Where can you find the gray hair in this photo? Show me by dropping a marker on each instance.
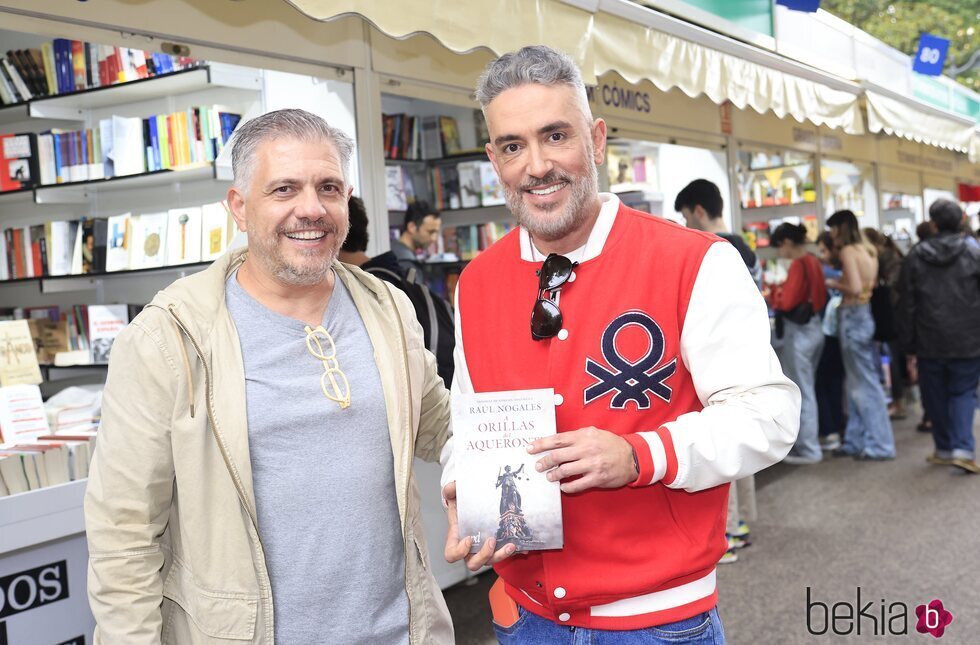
(298, 124)
(534, 64)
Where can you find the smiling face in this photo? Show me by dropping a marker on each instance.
(546, 149)
(294, 210)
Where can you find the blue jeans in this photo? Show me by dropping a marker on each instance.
(531, 629)
(800, 354)
(869, 431)
(949, 396)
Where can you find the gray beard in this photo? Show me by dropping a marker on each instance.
(305, 275)
(575, 212)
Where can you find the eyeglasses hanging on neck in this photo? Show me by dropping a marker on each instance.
(333, 381)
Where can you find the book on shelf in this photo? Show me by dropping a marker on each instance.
(104, 324)
(492, 192)
(396, 198)
(450, 136)
(184, 235)
(118, 242)
(63, 65)
(18, 358)
(499, 492)
(445, 187)
(217, 228)
(470, 184)
(149, 248)
(466, 242)
(18, 161)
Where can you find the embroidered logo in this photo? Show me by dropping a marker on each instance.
(629, 381)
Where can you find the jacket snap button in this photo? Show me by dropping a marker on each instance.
(559, 592)
(563, 334)
(564, 617)
(559, 399)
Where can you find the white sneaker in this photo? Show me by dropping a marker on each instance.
(830, 442)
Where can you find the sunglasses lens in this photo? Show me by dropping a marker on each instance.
(554, 272)
(545, 319)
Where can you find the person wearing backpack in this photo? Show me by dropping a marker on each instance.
(434, 313)
(799, 303)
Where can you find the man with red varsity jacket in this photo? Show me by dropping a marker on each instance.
(656, 343)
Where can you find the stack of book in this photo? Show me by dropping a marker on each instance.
(64, 66)
(121, 242)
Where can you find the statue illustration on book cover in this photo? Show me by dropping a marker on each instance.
(513, 528)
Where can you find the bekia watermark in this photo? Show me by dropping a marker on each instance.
(880, 617)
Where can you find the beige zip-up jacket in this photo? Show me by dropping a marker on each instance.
(175, 556)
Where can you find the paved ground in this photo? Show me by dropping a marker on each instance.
(902, 531)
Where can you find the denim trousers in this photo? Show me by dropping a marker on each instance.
(800, 355)
(869, 431)
(531, 629)
(949, 396)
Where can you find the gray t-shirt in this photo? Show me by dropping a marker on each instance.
(323, 478)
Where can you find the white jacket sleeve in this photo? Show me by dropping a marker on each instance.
(751, 412)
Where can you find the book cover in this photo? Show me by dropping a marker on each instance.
(395, 198)
(492, 193)
(215, 227)
(450, 136)
(104, 324)
(470, 186)
(499, 493)
(18, 161)
(18, 358)
(22, 413)
(119, 243)
(184, 235)
(150, 241)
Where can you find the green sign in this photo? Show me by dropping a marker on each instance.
(754, 15)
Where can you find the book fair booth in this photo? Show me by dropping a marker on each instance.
(784, 142)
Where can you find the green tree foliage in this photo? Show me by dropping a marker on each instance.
(899, 23)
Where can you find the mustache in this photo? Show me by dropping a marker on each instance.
(550, 178)
(309, 225)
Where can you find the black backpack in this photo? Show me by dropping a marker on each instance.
(434, 314)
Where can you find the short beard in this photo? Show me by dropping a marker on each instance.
(584, 191)
(269, 253)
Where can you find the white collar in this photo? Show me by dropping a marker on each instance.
(597, 237)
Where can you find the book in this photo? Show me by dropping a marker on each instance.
(119, 243)
(104, 324)
(470, 186)
(215, 229)
(395, 198)
(450, 136)
(22, 416)
(94, 234)
(184, 235)
(498, 491)
(492, 192)
(18, 358)
(149, 241)
(18, 161)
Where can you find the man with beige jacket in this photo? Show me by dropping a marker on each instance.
(253, 480)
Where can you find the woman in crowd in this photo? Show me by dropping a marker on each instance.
(830, 370)
(800, 302)
(889, 268)
(868, 435)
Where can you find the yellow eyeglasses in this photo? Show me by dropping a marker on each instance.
(333, 382)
